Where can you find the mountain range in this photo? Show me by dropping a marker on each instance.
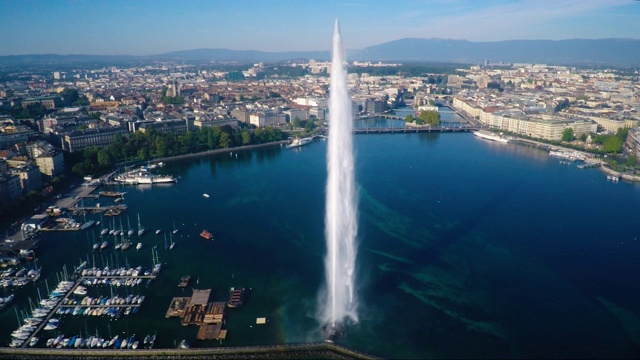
(624, 52)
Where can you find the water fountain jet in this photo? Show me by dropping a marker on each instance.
(339, 304)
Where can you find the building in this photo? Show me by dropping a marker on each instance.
(30, 177)
(51, 164)
(78, 140)
(175, 126)
(241, 114)
(267, 118)
(14, 134)
(49, 102)
(632, 144)
(300, 114)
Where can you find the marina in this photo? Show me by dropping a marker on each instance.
(61, 301)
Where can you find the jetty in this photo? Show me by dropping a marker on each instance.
(198, 310)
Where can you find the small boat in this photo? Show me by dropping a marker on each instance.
(158, 231)
(125, 245)
(96, 246)
(57, 340)
(33, 341)
(111, 193)
(175, 229)
(183, 344)
(113, 341)
(139, 246)
(205, 195)
(104, 245)
(207, 235)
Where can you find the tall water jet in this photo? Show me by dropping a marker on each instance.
(339, 303)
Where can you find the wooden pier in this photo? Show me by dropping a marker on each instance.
(197, 310)
(178, 307)
(211, 332)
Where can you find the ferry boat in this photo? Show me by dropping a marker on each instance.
(490, 136)
(207, 235)
(297, 142)
(142, 176)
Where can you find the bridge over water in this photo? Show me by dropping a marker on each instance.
(414, 129)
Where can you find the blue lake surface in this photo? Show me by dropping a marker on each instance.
(467, 248)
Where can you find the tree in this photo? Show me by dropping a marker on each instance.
(583, 137)
(225, 140)
(632, 160)
(104, 158)
(296, 122)
(430, 117)
(567, 134)
(408, 118)
(612, 145)
(246, 137)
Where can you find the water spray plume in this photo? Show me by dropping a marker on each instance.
(340, 303)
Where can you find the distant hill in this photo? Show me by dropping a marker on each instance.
(241, 55)
(577, 51)
(563, 52)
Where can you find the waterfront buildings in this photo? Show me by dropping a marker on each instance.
(81, 139)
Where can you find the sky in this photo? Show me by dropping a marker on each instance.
(149, 27)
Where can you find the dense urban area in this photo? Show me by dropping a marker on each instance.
(57, 125)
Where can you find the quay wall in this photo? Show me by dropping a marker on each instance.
(293, 351)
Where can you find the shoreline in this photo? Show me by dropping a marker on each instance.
(220, 151)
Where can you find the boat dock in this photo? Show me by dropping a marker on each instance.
(178, 307)
(198, 310)
(113, 210)
(68, 301)
(211, 332)
(588, 165)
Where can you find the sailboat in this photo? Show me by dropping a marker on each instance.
(104, 229)
(140, 228)
(125, 244)
(175, 229)
(131, 231)
(172, 242)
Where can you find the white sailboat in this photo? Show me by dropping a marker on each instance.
(131, 231)
(172, 242)
(140, 228)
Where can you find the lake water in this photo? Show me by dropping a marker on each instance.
(468, 248)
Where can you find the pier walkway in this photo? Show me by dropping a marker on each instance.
(414, 129)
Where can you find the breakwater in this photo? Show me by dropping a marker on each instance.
(293, 351)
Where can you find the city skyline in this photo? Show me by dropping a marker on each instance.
(155, 27)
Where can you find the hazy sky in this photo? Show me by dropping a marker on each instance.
(146, 27)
